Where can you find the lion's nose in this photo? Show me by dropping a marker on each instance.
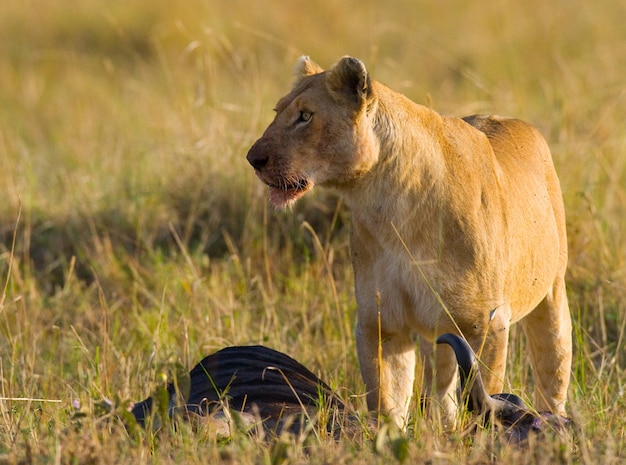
(257, 158)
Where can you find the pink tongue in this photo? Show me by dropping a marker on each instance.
(281, 198)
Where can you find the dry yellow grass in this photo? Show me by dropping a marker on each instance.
(142, 237)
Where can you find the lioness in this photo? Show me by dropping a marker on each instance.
(457, 226)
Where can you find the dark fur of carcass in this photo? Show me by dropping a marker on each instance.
(251, 379)
(280, 391)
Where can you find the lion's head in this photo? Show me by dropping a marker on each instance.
(321, 133)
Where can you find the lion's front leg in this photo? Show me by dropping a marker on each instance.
(439, 381)
(388, 369)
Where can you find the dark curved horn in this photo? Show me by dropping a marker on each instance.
(510, 411)
(464, 355)
(471, 381)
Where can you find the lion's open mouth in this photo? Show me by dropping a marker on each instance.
(283, 195)
(296, 186)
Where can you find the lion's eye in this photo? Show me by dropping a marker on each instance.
(305, 117)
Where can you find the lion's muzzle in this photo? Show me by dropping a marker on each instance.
(257, 156)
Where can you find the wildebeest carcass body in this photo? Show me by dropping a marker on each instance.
(270, 389)
(260, 384)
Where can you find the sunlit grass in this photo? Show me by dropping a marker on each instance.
(145, 240)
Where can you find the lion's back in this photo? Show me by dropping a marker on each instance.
(512, 140)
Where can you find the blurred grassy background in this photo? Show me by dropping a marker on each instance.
(134, 233)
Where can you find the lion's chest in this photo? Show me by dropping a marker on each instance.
(396, 283)
(420, 285)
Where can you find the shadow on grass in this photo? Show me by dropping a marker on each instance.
(216, 226)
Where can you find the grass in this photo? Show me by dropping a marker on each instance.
(134, 237)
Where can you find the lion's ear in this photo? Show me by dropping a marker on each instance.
(306, 67)
(349, 79)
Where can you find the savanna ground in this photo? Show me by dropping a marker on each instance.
(136, 239)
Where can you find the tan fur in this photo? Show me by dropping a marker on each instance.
(457, 224)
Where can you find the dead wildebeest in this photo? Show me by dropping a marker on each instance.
(269, 388)
(508, 411)
(260, 385)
